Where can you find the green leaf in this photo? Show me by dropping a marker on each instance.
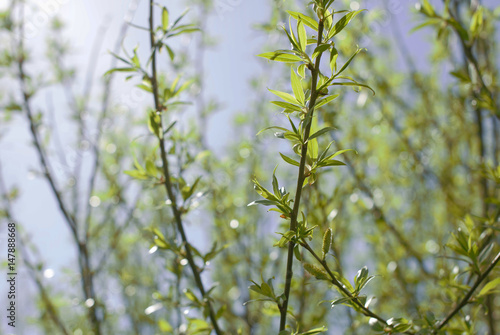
(326, 100)
(183, 87)
(185, 31)
(320, 49)
(490, 287)
(296, 252)
(427, 8)
(464, 35)
(180, 17)
(136, 174)
(164, 325)
(348, 62)
(276, 187)
(321, 132)
(316, 272)
(272, 127)
(342, 301)
(327, 242)
(191, 296)
(135, 59)
(334, 54)
(312, 148)
(301, 70)
(255, 300)
(281, 57)
(342, 23)
(165, 132)
(287, 105)
(164, 18)
(353, 84)
(297, 88)
(429, 22)
(171, 53)
(289, 160)
(314, 331)
(301, 31)
(153, 123)
(340, 152)
(461, 75)
(331, 162)
(476, 23)
(120, 69)
(308, 21)
(151, 168)
(145, 88)
(285, 96)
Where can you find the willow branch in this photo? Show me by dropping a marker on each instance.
(168, 182)
(466, 298)
(341, 287)
(300, 180)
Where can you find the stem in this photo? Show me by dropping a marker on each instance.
(341, 287)
(44, 295)
(49, 306)
(471, 59)
(300, 179)
(168, 183)
(83, 253)
(466, 298)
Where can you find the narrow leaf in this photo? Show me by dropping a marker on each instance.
(297, 88)
(289, 160)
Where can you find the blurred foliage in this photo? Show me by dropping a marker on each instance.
(398, 235)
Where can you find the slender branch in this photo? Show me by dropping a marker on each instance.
(49, 306)
(301, 177)
(45, 296)
(470, 59)
(466, 298)
(340, 286)
(168, 181)
(83, 252)
(469, 54)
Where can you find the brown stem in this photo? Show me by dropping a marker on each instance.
(83, 253)
(340, 286)
(168, 182)
(300, 179)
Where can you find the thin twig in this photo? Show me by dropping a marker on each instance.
(168, 181)
(49, 306)
(340, 286)
(466, 298)
(83, 252)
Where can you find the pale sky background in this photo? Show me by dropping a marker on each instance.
(238, 43)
